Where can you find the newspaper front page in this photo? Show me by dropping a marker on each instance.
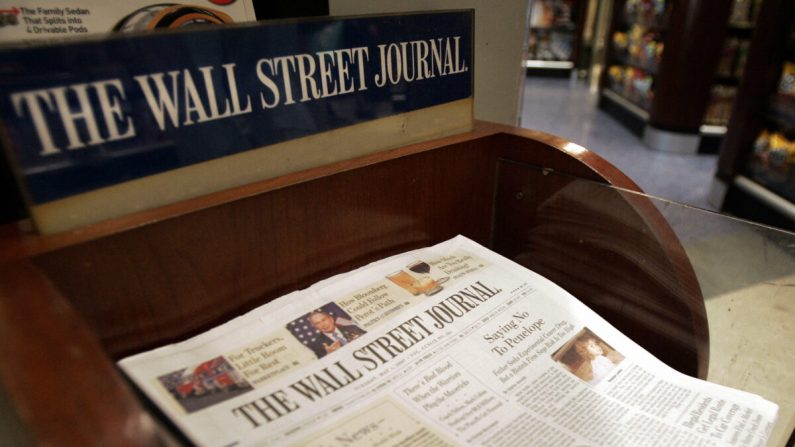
(447, 345)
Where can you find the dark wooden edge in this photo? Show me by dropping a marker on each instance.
(65, 388)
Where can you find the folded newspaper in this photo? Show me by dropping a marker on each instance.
(447, 345)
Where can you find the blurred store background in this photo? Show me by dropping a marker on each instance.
(695, 100)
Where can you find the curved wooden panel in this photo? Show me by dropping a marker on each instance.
(66, 390)
(599, 244)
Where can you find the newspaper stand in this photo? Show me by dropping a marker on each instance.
(72, 303)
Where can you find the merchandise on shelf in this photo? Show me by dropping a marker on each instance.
(550, 46)
(782, 107)
(786, 84)
(728, 57)
(733, 57)
(540, 16)
(546, 13)
(632, 83)
(773, 160)
(742, 57)
(637, 50)
(647, 13)
(620, 41)
(744, 12)
(720, 105)
(551, 36)
(644, 49)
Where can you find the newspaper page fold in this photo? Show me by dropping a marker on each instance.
(447, 345)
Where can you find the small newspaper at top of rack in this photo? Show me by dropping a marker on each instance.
(447, 345)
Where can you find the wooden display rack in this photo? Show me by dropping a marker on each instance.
(73, 303)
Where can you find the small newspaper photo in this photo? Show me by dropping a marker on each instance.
(447, 345)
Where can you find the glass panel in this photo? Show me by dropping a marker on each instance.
(747, 276)
(745, 271)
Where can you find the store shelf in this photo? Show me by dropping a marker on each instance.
(712, 130)
(766, 196)
(554, 37)
(669, 70)
(707, 130)
(756, 167)
(554, 65)
(628, 105)
(632, 49)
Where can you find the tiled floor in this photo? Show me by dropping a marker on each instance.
(567, 109)
(746, 273)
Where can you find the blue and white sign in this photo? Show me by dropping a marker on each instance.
(92, 114)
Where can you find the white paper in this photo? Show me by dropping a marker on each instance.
(448, 345)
